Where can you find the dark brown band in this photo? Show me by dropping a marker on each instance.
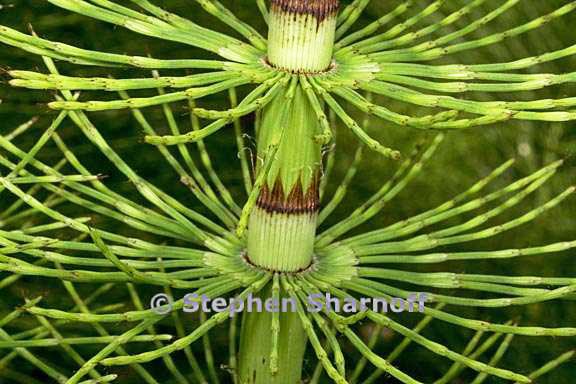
(319, 8)
(297, 201)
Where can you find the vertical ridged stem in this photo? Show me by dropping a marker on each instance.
(256, 346)
(282, 225)
(280, 237)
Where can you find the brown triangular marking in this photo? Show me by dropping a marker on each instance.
(297, 201)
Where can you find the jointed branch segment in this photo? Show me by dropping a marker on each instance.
(369, 67)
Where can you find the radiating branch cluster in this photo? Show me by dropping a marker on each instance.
(179, 248)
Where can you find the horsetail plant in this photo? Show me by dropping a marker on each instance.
(312, 71)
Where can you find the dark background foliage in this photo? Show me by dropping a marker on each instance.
(463, 158)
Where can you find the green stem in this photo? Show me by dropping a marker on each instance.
(256, 346)
(282, 225)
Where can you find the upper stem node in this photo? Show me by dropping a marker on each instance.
(301, 35)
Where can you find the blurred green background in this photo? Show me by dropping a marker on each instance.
(463, 158)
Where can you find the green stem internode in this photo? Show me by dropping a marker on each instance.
(282, 226)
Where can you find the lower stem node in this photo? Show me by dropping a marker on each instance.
(281, 242)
